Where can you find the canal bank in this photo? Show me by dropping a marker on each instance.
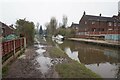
(104, 61)
(112, 44)
(66, 66)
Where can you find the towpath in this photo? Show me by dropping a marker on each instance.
(34, 63)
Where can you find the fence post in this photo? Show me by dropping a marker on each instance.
(1, 58)
(14, 47)
(21, 44)
(24, 42)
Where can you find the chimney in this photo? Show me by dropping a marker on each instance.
(119, 14)
(84, 13)
(100, 14)
(72, 22)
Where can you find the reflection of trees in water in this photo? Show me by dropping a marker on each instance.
(69, 44)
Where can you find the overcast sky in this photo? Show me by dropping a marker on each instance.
(42, 10)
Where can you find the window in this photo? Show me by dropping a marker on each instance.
(85, 22)
(93, 22)
(118, 24)
(102, 29)
(76, 28)
(110, 29)
(115, 24)
(93, 29)
(110, 24)
(3, 30)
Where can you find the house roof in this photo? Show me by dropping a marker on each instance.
(80, 25)
(4, 25)
(74, 25)
(11, 27)
(99, 18)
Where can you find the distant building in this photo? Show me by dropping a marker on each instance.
(6, 30)
(99, 27)
(79, 28)
(75, 26)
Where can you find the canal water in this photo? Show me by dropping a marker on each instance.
(101, 60)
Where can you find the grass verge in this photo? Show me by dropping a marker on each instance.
(73, 69)
(4, 71)
(57, 53)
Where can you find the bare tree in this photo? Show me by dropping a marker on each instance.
(37, 25)
(51, 26)
(64, 20)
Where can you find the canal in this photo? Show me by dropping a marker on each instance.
(101, 60)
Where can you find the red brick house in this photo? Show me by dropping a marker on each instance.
(91, 26)
(75, 26)
(80, 29)
(6, 30)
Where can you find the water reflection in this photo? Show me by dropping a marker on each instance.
(118, 72)
(101, 60)
(106, 70)
(72, 54)
(111, 53)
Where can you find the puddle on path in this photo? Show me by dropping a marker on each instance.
(44, 62)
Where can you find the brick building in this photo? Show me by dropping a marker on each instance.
(99, 27)
(79, 29)
(6, 30)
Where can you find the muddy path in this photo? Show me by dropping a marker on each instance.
(34, 63)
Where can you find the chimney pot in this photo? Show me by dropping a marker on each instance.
(84, 13)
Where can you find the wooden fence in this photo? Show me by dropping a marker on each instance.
(10, 48)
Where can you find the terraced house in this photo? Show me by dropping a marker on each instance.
(99, 27)
(6, 30)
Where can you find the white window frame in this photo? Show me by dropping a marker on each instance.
(115, 24)
(109, 23)
(85, 22)
(93, 22)
(118, 24)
